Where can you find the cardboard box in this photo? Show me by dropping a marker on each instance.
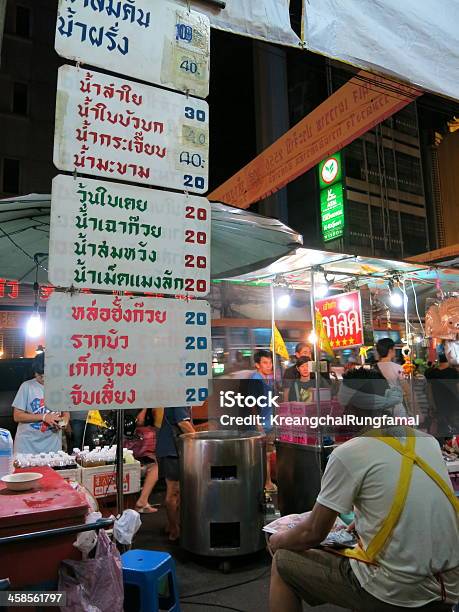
(101, 481)
(73, 474)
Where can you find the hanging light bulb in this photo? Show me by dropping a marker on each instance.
(34, 327)
(283, 301)
(320, 291)
(312, 338)
(345, 304)
(396, 299)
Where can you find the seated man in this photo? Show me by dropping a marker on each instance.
(412, 563)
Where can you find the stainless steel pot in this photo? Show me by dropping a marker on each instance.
(222, 475)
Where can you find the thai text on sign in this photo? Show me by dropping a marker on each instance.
(105, 484)
(364, 101)
(105, 352)
(118, 237)
(111, 127)
(158, 42)
(332, 211)
(342, 319)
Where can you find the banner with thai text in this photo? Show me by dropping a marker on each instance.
(415, 41)
(342, 319)
(111, 236)
(112, 127)
(352, 110)
(106, 352)
(158, 42)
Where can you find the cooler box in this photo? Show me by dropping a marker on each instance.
(101, 481)
(52, 504)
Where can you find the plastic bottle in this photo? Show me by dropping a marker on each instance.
(128, 456)
(6, 452)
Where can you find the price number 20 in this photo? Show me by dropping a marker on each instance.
(199, 368)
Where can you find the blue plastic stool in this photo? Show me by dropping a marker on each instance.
(146, 569)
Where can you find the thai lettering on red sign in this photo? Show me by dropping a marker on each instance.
(342, 319)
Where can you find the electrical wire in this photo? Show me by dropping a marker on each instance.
(229, 586)
(6, 235)
(416, 306)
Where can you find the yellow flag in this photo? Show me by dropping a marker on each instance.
(94, 418)
(323, 340)
(279, 343)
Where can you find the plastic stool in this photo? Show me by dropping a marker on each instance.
(146, 569)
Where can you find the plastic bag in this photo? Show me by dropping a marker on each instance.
(86, 540)
(94, 585)
(143, 446)
(127, 526)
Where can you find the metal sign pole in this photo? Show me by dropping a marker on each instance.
(316, 361)
(273, 335)
(119, 460)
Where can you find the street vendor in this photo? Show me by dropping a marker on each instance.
(301, 388)
(260, 385)
(302, 349)
(39, 430)
(406, 519)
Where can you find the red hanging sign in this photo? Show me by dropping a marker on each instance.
(342, 319)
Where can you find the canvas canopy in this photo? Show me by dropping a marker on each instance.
(414, 41)
(241, 241)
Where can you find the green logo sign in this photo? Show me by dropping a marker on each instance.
(332, 212)
(330, 170)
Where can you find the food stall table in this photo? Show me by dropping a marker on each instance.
(51, 504)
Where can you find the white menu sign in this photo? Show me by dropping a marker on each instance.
(111, 236)
(158, 41)
(105, 352)
(112, 127)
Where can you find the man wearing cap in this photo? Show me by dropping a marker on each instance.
(406, 519)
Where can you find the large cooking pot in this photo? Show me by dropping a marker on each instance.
(222, 476)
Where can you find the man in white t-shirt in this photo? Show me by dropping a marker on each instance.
(392, 372)
(419, 565)
(39, 429)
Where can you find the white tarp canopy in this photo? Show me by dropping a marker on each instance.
(422, 283)
(295, 270)
(415, 41)
(240, 241)
(267, 20)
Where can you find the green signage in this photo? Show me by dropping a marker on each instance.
(330, 171)
(332, 212)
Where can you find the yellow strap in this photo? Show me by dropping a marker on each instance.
(409, 458)
(425, 467)
(401, 493)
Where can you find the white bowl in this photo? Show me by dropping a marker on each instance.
(21, 481)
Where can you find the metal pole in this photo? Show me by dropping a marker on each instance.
(273, 336)
(317, 363)
(407, 338)
(119, 460)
